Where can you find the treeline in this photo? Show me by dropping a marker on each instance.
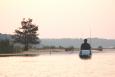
(70, 48)
(7, 46)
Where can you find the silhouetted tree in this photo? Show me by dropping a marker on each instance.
(27, 33)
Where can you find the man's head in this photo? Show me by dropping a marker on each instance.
(85, 40)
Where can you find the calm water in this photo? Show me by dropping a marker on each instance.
(60, 65)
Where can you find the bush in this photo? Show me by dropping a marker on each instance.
(6, 46)
(18, 49)
(100, 48)
(71, 48)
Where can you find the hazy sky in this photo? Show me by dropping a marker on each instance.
(61, 18)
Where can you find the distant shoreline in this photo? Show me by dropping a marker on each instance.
(32, 53)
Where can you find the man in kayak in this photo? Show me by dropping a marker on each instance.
(85, 51)
(85, 45)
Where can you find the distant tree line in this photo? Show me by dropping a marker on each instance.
(70, 48)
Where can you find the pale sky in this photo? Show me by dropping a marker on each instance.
(61, 18)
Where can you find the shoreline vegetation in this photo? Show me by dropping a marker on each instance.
(37, 52)
(9, 47)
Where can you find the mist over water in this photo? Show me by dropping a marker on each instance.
(59, 65)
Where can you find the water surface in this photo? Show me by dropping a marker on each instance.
(59, 65)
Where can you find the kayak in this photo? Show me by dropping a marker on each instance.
(85, 54)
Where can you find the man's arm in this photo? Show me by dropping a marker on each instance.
(81, 47)
(89, 46)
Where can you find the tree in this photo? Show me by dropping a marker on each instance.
(27, 34)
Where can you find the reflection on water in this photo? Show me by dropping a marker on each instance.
(68, 65)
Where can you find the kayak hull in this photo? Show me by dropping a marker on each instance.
(85, 54)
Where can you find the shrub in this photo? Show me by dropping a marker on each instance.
(6, 47)
(71, 48)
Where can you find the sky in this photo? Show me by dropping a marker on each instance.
(61, 18)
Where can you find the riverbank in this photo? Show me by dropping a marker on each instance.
(33, 52)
